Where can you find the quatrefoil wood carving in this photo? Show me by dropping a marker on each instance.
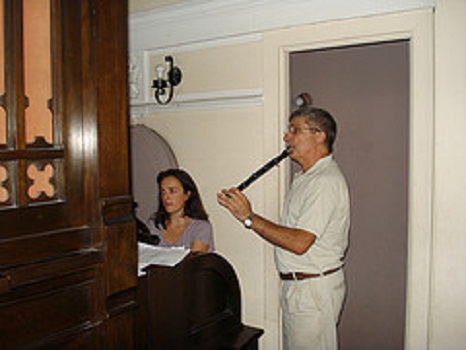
(4, 194)
(41, 178)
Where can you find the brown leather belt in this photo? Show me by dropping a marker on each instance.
(302, 275)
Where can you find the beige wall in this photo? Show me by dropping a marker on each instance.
(222, 68)
(221, 146)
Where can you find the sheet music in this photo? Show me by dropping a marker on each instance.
(150, 254)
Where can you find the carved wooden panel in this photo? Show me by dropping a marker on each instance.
(68, 260)
(31, 117)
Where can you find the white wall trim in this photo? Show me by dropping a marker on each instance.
(201, 20)
(206, 44)
(203, 24)
(241, 98)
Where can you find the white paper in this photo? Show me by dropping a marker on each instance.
(150, 254)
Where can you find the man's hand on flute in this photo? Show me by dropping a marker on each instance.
(236, 202)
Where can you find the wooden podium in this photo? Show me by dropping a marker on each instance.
(193, 305)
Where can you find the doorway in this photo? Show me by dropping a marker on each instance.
(366, 88)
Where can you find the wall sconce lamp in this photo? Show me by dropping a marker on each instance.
(160, 83)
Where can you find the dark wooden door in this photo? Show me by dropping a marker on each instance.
(68, 263)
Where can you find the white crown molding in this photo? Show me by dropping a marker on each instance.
(241, 98)
(201, 24)
(202, 20)
(203, 45)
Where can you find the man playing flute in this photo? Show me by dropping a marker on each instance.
(312, 237)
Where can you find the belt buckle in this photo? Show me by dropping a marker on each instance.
(293, 275)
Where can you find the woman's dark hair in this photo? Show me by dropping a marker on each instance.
(193, 206)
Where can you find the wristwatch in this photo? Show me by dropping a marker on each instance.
(248, 221)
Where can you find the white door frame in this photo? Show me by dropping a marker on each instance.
(417, 27)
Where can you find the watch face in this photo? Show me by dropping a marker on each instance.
(248, 223)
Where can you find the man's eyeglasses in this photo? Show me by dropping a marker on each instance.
(297, 129)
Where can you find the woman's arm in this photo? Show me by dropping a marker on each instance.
(199, 246)
(201, 236)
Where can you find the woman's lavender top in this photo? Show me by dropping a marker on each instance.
(197, 230)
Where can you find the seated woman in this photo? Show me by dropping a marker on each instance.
(181, 220)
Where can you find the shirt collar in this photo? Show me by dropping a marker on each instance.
(320, 164)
